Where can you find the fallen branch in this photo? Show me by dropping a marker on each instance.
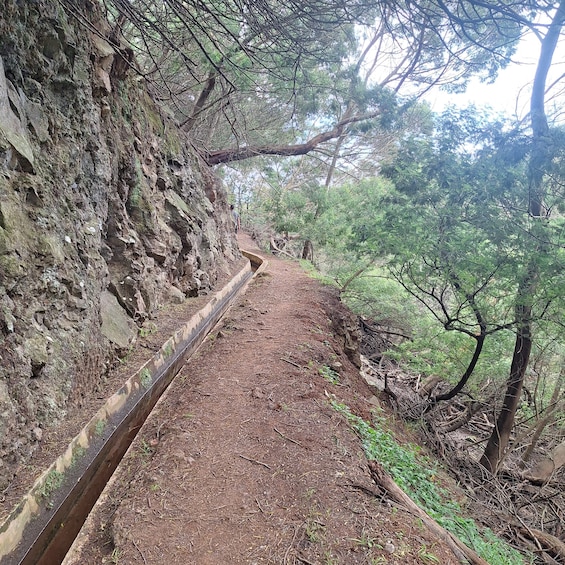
(461, 551)
(276, 250)
(291, 362)
(140, 552)
(287, 438)
(550, 544)
(255, 461)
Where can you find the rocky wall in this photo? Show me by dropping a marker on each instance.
(105, 214)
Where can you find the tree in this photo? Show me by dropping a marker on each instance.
(240, 76)
(542, 155)
(459, 231)
(450, 229)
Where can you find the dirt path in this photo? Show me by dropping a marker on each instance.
(245, 462)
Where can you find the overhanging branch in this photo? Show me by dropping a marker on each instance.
(242, 153)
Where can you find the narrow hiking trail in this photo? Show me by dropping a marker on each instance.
(244, 461)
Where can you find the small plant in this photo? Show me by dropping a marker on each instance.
(78, 453)
(145, 449)
(365, 540)
(52, 482)
(318, 330)
(145, 377)
(329, 374)
(426, 556)
(99, 427)
(123, 360)
(314, 530)
(330, 559)
(168, 350)
(116, 556)
(310, 492)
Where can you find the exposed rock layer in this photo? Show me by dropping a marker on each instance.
(105, 215)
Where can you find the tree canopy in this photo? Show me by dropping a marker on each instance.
(254, 78)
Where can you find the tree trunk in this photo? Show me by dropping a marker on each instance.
(480, 340)
(500, 436)
(308, 251)
(209, 85)
(539, 160)
(356, 274)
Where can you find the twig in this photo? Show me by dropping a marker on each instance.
(255, 461)
(287, 438)
(291, 362)
(291, 544)
(140, 552)
(364, 489)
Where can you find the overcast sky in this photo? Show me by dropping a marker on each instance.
(508, 94)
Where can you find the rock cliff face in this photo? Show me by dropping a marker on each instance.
(105, 214)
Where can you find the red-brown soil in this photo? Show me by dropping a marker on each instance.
(244, 461)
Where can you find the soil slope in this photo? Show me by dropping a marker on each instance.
(245, 461)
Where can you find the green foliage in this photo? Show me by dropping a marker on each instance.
(415, 475)
(351, 218)
(99, 427)
(375, 295)
(147, 329)
(460, 241)
(329, 374)
(78, 453)
(168, 349)
(51, 483)
(433, 351)
(315, 273)
(145, 377)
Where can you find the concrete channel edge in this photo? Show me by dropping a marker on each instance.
(41, 528)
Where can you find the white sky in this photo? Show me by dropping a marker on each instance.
(510, 92)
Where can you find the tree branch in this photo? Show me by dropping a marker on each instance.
(242, 153)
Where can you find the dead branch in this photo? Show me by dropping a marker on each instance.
(287, 438)
(276, 250)
(459, 549)
(463, 418)
(255, 461)
(552, 545)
